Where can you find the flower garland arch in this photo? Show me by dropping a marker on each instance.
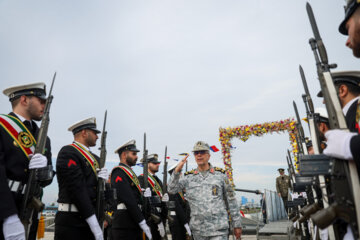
(246, 131)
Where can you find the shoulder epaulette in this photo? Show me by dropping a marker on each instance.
(189, 172)
(219, 169)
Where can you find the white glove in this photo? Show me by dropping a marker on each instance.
(103, 173)
(338, 144)
(146, 229)
(147, 192)
(165, 198)
(161, 229)
(37, 161)
(95, 227)
(13, 228)
(187, 229)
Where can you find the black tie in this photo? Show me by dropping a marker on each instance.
(28, 125)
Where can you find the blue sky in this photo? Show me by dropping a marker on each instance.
(177, 70)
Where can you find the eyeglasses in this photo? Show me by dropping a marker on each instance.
(200, 152)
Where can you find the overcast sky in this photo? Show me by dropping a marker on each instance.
(177, 70)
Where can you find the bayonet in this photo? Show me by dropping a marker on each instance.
(307, 93)
(165, 172)
(319, 42)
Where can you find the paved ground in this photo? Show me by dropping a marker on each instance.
(50, 236)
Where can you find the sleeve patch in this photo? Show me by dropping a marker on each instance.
(71, 162)
(118, 179)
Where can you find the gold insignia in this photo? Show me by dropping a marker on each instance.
(136, 180)
(214, 190)
(15, 144)
(96, 165)
(25, 139)
(219, 169)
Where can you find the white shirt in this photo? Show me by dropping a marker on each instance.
(22, 119)
(83, 145)
(347, 106)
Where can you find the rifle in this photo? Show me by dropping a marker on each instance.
(99, 210)
(296, 202)
(312, 117)
(300, 131)
(150, 212)
(165, 172)
(31, 201)
(347, 179)
(145, 170)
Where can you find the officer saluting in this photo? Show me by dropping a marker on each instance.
(128, 220)
(77, 178)
(208, 192)
(158, 201)
(18, 132)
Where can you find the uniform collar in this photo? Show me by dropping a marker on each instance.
(348, 105)
(123, 164)
(82, 145)
(22, 119)
(211, 169)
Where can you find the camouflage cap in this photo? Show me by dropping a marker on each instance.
(201, 146)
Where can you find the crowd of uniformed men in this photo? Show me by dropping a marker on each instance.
(202, 198)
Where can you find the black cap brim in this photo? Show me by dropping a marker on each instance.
(154, 161)
(86, 126)
(133, 149)
(40, 93)
(349, 12)
(95, 130)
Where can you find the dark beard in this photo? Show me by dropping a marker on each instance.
(130, 162)
(356, 45)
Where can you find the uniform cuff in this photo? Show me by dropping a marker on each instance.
(237, 224)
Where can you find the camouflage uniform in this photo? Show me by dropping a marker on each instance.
(205, 192)
(282, 187)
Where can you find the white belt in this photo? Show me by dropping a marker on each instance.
(122, 206)
(67, 207)
(172, 213)
(16, 186)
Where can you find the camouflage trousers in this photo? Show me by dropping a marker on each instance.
(218, 237)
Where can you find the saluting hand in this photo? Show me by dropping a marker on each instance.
(181, 164)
